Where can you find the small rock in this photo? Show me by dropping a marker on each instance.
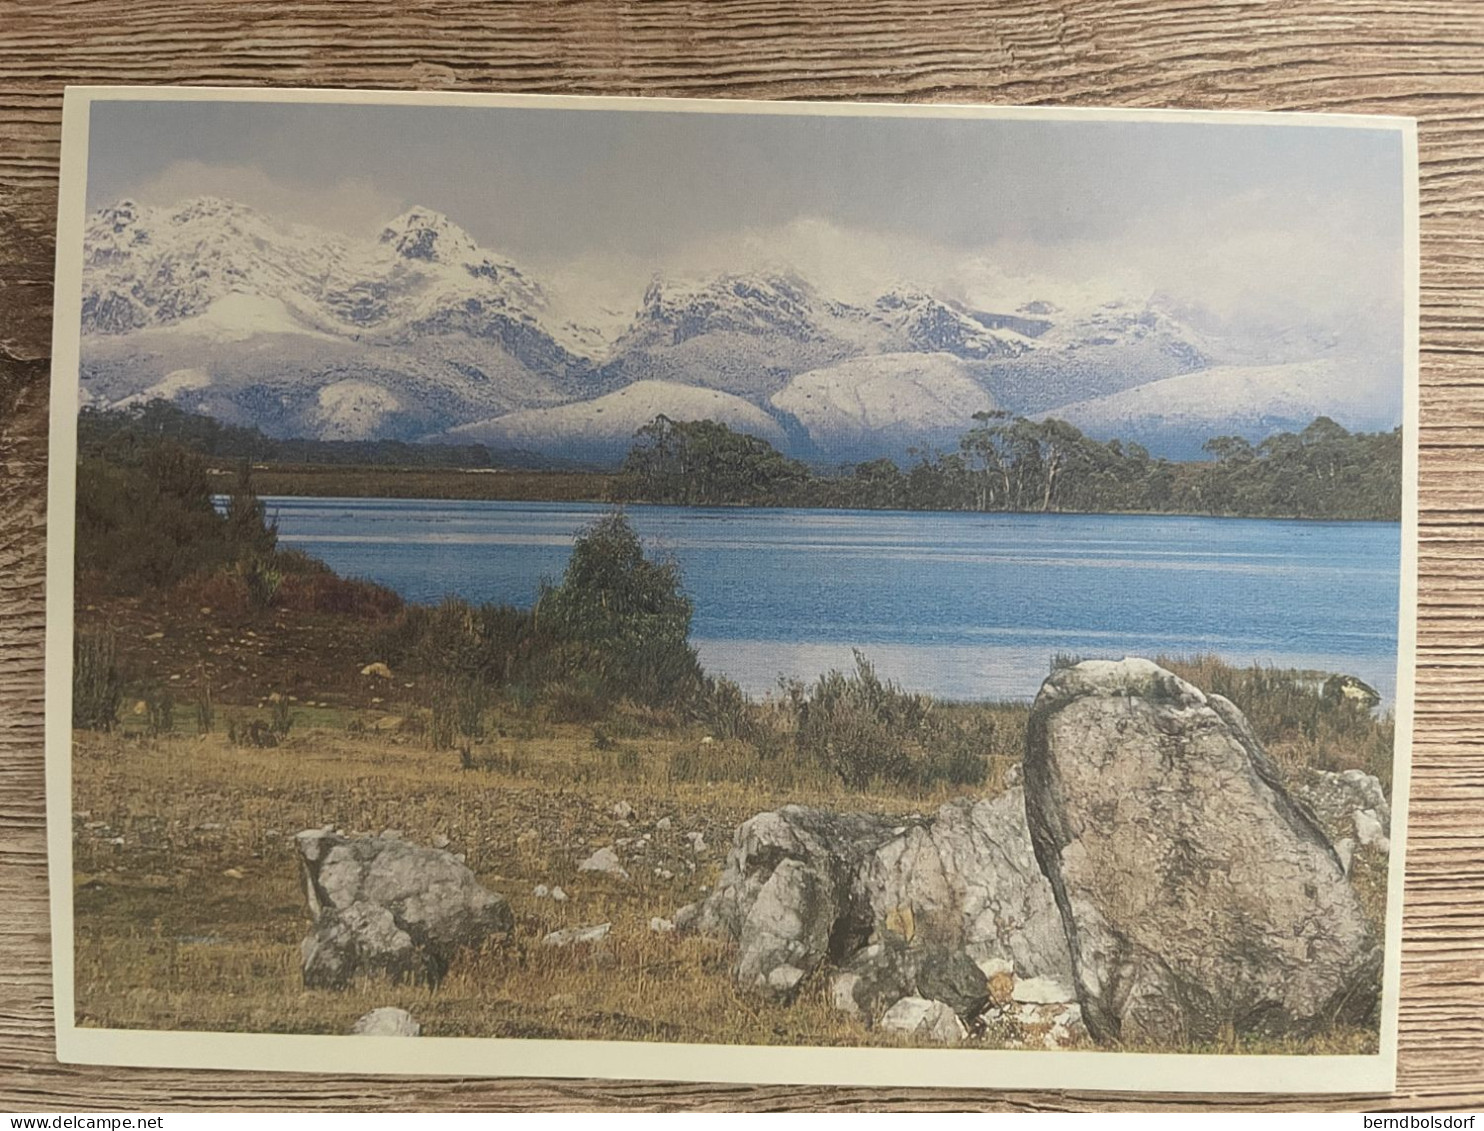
(604, 860)
(697, 842)
(572, 936)
(558, 895)
(623, 811)
(782, 980)
(441, 841)
(663, 824)
(1041, 991)
(1345, 850)
(664, 873)
(233, 873)
(661, 926)
(1369, 831)
(386, 1022)
(377, 669)
(541, 891)
(993, 966)
(155, 636)
(919, 1017)
(842, 993)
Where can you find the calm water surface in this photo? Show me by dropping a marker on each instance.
(960, 605)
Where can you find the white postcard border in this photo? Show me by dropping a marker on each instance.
(444, 1056)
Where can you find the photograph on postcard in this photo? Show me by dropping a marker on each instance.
(575, 570)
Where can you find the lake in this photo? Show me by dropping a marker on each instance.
(965, 606)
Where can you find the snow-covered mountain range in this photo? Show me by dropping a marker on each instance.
(421, 334)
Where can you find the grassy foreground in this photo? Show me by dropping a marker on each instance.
(189, 911)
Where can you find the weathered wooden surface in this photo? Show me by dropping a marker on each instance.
(1423, 58)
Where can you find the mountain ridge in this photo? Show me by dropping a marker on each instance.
(419, 332)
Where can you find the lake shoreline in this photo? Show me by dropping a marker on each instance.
(961, 605)
(597, 488)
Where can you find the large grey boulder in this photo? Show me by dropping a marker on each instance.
(968, 879)
(788, 894)
(917, 908)
(1194, 893)
(385, 907)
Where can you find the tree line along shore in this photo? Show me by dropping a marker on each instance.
(1003, 463)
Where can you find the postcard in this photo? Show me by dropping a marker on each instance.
(735, 591)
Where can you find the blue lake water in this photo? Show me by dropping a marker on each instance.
(964, 606)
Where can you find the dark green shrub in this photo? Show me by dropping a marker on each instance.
(250, 532)
(96, 686)
(865, 729)
(726, 710)
(621, 618)
(261, 580)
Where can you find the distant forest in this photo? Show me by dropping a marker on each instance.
(1003, 463)
(1010, 463)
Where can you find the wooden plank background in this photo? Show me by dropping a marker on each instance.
(1423, 58)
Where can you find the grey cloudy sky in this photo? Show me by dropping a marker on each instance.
(1249, 219)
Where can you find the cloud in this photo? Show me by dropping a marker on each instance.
(353, 206)
(1249, 270)
(1289, 269)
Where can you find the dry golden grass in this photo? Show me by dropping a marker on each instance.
(193, 921)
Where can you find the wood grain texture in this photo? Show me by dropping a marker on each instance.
(1423, 58)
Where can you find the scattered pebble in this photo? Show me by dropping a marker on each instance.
(604, 860)
(571, 936)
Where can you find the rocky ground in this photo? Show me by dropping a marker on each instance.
(629, 857)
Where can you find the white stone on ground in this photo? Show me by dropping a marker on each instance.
(571, 936)
(919, 1017)
(1041, 991)
(604, 860)
(386, 1022)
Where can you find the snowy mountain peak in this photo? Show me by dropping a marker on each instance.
(763, 303)
(421, 233)
(932, 325)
